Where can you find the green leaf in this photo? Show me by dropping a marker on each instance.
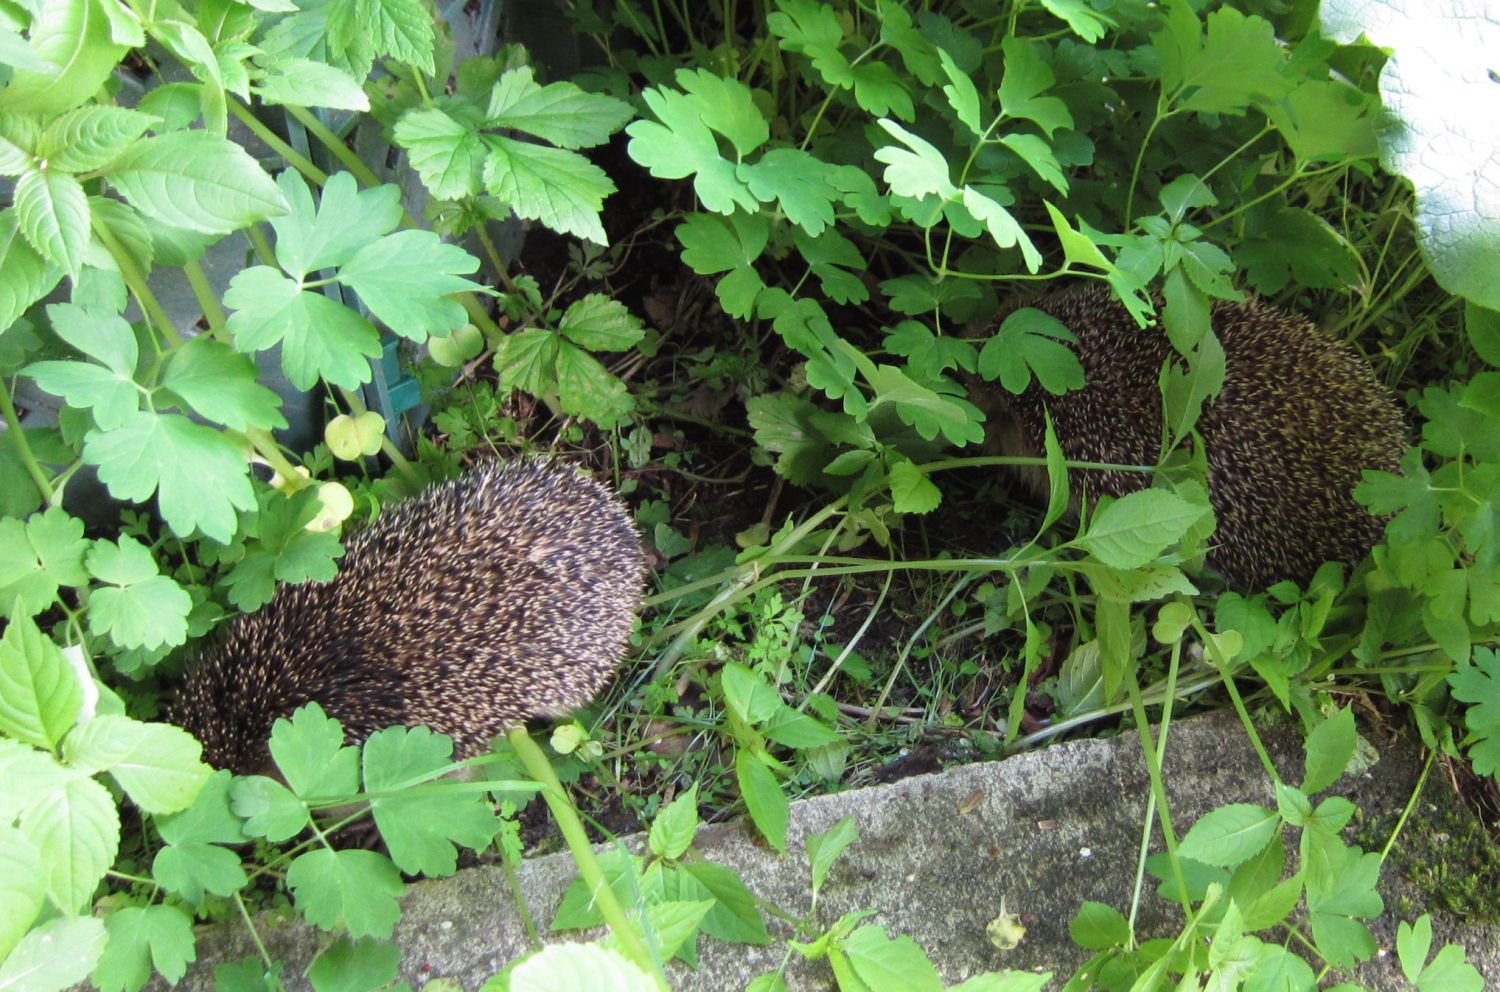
(586, 389)
(405, 279)
(931, 413)
(824, 849)
(736, 914)
(90, 137)
(1098, 927)
(221, 385)
(747, 695)
(56, 955)
(192, 862)
(1001, 224)
(569, 967)
(599, 323)
(1336, 902)
(911, 489)
(961, 94)
(1238, 63)
(353, 889)
(156, 764)
(305, 83)
(1295, 246)
(682, 145)
(420, 827)
(319, 337)
(284, 551)
(1330, 748)
(270, 810)
(54, 214)
(22, 891)
(674, 827)
(25, 276)
(199, 476)
(1449, 972)
(310, 752)
(798, 730)
(528, 360)
(77, 830)
(1087, 23)
(763, 798)
(1230, 835)
(197, 181)
(917, 170)
(884, 962)
(355, 966)
(797, 182)
(400, 28)
(138, 607)
(102, 336)
(1136, 528)
(1027, 77)
(1029, 342)
(75, 39)
(140, 937)
(40, 697)
(112, 396)
(558, 188)
(39, 556)
(560, 113)
(1476, 681)
(711, 244)
(346, 220)
(1037, 154)
(447, 155)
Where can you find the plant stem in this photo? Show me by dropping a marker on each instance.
(265, 446)
(495, 262)
(28, 460)
(335, 147)
(136, 280)
(1222, 664)
(563, 812)
(207, 300)
(292, 157)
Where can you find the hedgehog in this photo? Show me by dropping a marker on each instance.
(505, 594)
(1299, 418)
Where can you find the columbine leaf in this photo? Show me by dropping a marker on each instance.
(712, 244)
(140, 936)
(138, 607)
(196, 180)
(1029, 342)
(1477, 682)
(346, 219)
(39, 556)
(353, 889)
(911, 490)
(1237, 64)
(199, 476)
(54, 214)
(284, 551)
(405, 278)
(798, 182)
(1027, 77)
(919, 169)
(559, 188)
(682, 145)
(320, 338)
(420, 829)
(221, 384)
(112, 396)
(558, 112)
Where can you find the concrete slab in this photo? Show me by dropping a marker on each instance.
(937, 855)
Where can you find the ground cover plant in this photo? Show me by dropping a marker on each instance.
(767, 337)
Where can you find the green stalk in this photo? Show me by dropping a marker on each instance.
(1158, 787)
(265, 445)
(218, 323)
(293, 157)
(28, 460)
(1222, 664)
(335, 146)
(136, 280)
(540, 769)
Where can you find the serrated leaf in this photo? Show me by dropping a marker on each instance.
(77, 830)
(674, 827)
(1136, 528)
(40, 696)
(90, 137)
(448, 155)
(305, 83)
(319, 338)
(25, 276)
(75, 40)
(585, 388)
(1229, 835)
(1237, 62)
(22, 892)
(569, 967)
(137, 607)
(405, 279)
(270, 809)
(309, 750)
(196, 180)
(763, 797)
(885, 962)
(1330, 747)
(54, 214)
(56, 955)
(558, 188)
(1476, 681)
(353, 889)
(911, 490)
(199, 476)
(400, 28)
(560, 113)
(599, 323)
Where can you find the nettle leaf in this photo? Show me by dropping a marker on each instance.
(1030, 342)
(353, 889)
(1027, 77)
(138, 607)
(54, 214)
(1238, 64)
(558, 188)
(305, 83)
(447, 154)
(682, 145)
(405, 279)
(586, 389)
(25, 276)
(77, 830)
(39, 556)
(319, 337)
(75, 40)
(599, 323)
(196, 180)
(798, 182)
(527, 360)
(56, 955)
(90, 137)
(22, 893)
(40, 697)
(1135, 529)
(221, 384)
(911, 490)
(421, 828)
(156, 764)
(199, 476)
(140, 937)
(560, 113)
(20, 134)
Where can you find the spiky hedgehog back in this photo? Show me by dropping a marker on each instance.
(501, 595)
(1300, 416)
